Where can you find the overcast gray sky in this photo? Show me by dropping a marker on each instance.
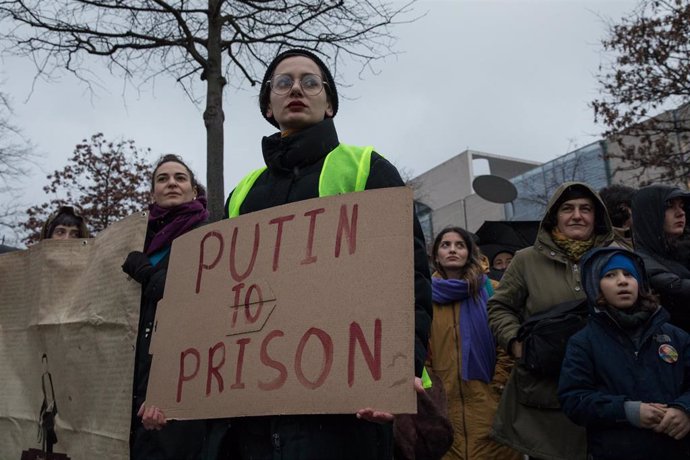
(507, 77)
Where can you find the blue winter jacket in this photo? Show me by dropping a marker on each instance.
(603, 368)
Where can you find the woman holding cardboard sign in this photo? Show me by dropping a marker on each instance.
(304, 160)
(178, 205)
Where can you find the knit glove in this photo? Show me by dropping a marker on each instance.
(138, 266)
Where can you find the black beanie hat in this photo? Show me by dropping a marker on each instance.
(266, 90)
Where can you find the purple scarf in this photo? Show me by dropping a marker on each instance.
(478, 344)
(166, 224)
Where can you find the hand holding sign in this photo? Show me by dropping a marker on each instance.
(152, 418)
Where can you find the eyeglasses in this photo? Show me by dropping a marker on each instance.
(311, 84)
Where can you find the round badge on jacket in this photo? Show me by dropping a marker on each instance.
(668, 353)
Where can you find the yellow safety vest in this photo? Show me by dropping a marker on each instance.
(426, 379)
(345, 170)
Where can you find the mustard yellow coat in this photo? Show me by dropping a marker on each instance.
(471, 404)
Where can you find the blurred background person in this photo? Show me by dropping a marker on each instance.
(618, 201)
(499, 263)
(64, 224)
(501, 239)
(502, 260)
(660, 235)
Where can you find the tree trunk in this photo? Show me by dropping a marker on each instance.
(214, 116)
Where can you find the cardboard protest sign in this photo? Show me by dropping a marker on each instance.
(298, 309)
(70, 301)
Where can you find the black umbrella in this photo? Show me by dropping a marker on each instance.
(497, 236)
(4, 248)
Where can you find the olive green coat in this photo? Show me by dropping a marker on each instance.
(529, 418)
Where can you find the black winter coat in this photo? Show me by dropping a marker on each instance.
(294, 167)
(179, 440)
(603, 368)
(668, 268)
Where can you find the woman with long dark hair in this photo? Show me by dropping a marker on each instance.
(462, 349)
(178, 206)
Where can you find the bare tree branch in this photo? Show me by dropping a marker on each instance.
(105, 180)
(146, 39)
(649, 72)
(16, 156)
(565, 169)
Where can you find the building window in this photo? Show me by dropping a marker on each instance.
(423, 213)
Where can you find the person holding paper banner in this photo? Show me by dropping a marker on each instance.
(65, 224)
(306, 160)
(179, 205)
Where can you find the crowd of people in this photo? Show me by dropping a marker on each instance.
(619, 256)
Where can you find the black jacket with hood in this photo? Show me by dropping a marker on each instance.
(529, 418)
(604, 367)
(667, 266)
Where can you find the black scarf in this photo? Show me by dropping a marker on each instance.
(629, 319)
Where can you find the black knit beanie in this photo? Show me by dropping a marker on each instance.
(265, 91)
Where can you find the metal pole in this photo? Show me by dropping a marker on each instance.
(464, 211)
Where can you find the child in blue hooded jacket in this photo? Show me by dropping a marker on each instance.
(626, 375)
